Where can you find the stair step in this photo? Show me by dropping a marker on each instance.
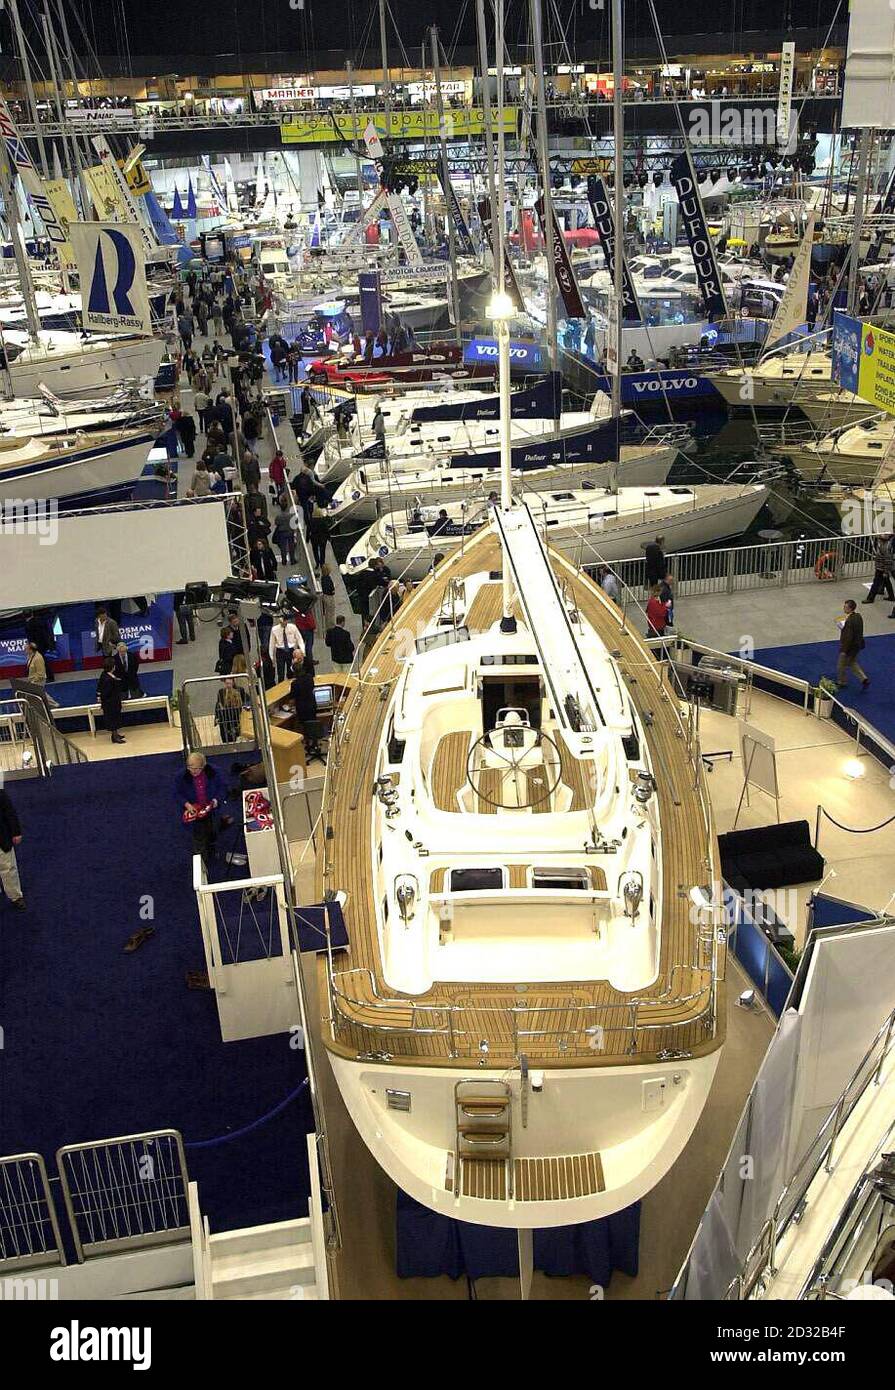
(274, 1235)
(304, 1293)
(179, 1293)
(260, 1270)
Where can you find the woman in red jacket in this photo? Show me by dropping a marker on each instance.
(277, 470)
(656, 613)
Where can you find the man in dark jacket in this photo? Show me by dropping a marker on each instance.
(10, 836)
(851, 643)
(200, 792)
(341, 645)
(127, 668)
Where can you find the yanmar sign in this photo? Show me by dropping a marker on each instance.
(525, 356)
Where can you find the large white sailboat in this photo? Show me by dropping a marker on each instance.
(528, 1017)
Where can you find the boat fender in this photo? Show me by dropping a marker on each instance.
(825, 566)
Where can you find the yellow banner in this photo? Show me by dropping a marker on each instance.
(864, 361)
(138, 180)
(596, 164)
(105, 194)
(317, 128)
(59, 194)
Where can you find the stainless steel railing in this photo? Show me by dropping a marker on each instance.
(29, 1227)
(732, 570)
(125, 1192)
(209, 727)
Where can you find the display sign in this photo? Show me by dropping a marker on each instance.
(597, 164)
(864, 360)
(125, 197)
(65, 212)
(102, 117)
(784, 100)
(114, 297)
(370, 287)
(562, 266)
(693, 217)
(372, 141)
(605, 225)
(527, 357)
(320, 127)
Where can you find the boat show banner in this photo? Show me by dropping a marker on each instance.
(864, 360)
(562, 266)
(697, 233)
(324, 127)
(605, 225)
(112, 269)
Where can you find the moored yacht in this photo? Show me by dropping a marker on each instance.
(588, 525)
(527, 1019)
(851, 454)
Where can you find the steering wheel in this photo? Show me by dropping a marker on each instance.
(514, 759)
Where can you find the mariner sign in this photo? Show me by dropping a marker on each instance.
(864, 360)
(112, 270)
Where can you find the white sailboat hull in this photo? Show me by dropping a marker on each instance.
(86, 370)
(578, 1112)
(84, 474)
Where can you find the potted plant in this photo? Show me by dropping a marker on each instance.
(822, 695)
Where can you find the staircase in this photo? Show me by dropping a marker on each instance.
(263, 1262)
(484, 1138)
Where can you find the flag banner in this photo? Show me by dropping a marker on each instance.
(125, 197)
(177, 206)
(403, 229)
(138, 181)
(21, 163)
(217, 192)
(702, 250)
(792, 311)
(605, 225)
(461, 230)
(114, 298)
(190, 201)
(562, 266)
(370, 287)
(104, 194)
(510, 283)
(355, 233)
(372, 141)
(63, 205)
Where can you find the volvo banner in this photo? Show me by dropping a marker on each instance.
(605, 225)
(112, 271)
(524, 357)
(693, 218)
(562, 266)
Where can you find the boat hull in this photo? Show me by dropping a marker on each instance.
(86, 373)
(636, 1145)
(89, 474)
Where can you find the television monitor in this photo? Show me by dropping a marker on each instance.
(323, 695)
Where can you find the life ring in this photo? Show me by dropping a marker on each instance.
(825, 565)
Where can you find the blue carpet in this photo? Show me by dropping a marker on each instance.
(83, 692)
(99, 1043)
(812, 660)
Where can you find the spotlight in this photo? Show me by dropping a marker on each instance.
(854, 769)
(747, 999)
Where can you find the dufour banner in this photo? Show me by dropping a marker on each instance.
(562, 266)
(460, 228)
(697, 233)
(510, 283)
(864, 360)
(114, 298)
(605, 225)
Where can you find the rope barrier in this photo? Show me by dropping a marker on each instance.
(852, 830)
(247, 1129)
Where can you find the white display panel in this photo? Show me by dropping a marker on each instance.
(113, 554)
(869, 97)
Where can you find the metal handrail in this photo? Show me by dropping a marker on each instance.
(33, 1221)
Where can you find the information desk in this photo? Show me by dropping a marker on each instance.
(286, 742)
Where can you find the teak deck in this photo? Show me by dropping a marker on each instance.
(567, 1024)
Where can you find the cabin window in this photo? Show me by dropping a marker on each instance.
(476, 880)
(576, 879)
(385, 908)
(563, 497)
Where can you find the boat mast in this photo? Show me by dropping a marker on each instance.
(29, 84)
(496, 213)
(537, 40)
(359, 173)
(446, 181)
(501, 312)
(7, 177)
(386, 76)
(618, 49)
(860, 199)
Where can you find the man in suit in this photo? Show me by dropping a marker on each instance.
(105, 632)
(10, 836)
(200, 788)
(851, 643)
(127, 665)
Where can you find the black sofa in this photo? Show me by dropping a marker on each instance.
(773, 856)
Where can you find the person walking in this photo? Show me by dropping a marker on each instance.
(328, 593)
(10, 837)
(307, 626)
(379, 427)
(656, 613)
(884, 564)
(284, 533)
(199, 790)
(228, 711)
(185, 620)
(318, 535)
(105, 632)
(341, 645)
(109, 695)
(36, 666)
(851, 644)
